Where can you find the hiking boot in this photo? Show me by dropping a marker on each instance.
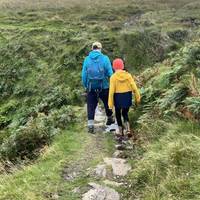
(110, 120)
(119, 134)
(128, 129)
(91, 129)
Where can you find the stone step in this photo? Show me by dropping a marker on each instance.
(99, 192)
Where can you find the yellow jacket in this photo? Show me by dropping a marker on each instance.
(121, 82)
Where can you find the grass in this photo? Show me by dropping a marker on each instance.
(51, 4)
(169, 166)
(45, 174)
(43, 178)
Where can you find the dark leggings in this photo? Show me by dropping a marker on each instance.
(119, 112)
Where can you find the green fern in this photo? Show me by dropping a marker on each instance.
(193, 104)
(173, 97)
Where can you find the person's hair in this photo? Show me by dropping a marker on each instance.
(125, 69)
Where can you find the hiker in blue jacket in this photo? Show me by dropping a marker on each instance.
(96, 72)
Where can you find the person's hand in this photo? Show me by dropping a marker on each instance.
(137, 103)
(111, 108)
(84, 94)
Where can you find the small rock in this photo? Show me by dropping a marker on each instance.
(55, 196)
(118, 154)
(76, 190)
(99, 125)
(99, 116)
(120, 166)
(70, 176)
(99, 192)
(129, 147)
(120, 147)
(127, 142)
(101, 171)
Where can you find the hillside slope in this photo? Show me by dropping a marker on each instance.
(41, 98)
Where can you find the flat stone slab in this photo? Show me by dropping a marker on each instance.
(120, 166)
(101, 171)
(99, 116)
(99, 192)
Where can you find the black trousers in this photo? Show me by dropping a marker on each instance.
(119, 112)
(92, 101)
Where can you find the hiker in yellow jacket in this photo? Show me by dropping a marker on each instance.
(122, 86)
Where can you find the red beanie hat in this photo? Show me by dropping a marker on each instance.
(118, 64)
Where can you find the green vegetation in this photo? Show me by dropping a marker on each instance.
(43, 179)
(169, 168)
(42, 47)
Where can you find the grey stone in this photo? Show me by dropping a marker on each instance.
(120, 147)
(99, 116)
(99, 192)
(118, 154)
(129, 147)
(76, 190)
(55, 196)
(120, 166)
(100, 171)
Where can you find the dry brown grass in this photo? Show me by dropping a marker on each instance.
(165, 4)
(48, 4)
(37, 4)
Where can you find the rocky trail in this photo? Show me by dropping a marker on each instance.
(106, 176)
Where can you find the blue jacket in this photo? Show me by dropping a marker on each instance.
(107, 66)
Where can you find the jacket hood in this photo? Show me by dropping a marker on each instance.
(94, 54)
(122, 75)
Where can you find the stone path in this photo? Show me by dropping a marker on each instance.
(120, 166)
(74, 170)
(117, 163)
(99, 192)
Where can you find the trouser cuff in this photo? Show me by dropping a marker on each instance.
(90, 122)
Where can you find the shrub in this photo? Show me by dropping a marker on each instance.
(178, 35)
(4, 121)
(193, 104)
(37, 131)
(54, 98)
(143, 48)
(193, 58)
(62, 117)
(27, 140)
(164, 80)
(173, 97)
(9, 107)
